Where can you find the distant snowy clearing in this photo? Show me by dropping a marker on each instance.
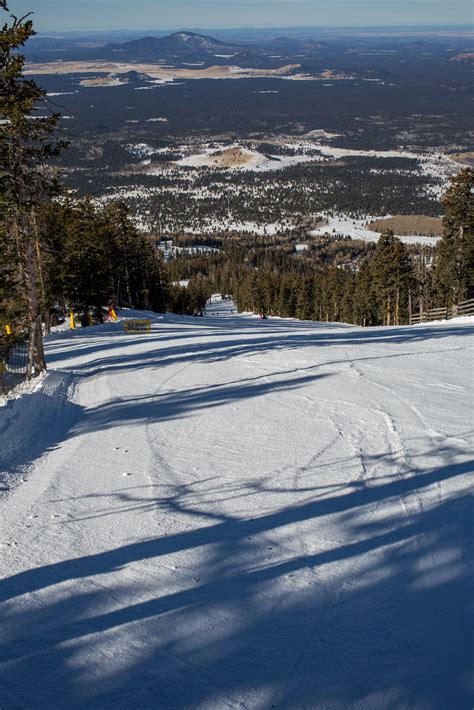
(230, 512)
(313, 147)
(356, 229)
(238, 158)
(214, 226)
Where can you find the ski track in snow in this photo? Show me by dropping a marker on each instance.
(234, 513)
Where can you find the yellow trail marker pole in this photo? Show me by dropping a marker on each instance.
(72, 321)
(8, 329)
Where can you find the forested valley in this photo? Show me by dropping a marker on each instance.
(340, 279)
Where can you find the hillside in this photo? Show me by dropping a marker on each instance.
(234, 513)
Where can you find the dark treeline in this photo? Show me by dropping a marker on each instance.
(89, 256)
(376, 291)
(94, 256)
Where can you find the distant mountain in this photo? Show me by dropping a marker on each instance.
(180, 45)
(185, 48)
(46, 43)
(191, 40)
(253, 60)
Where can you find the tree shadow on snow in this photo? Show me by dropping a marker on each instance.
(169, 343)
(376, 615)
(364, 605)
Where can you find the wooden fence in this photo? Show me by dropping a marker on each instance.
(465, 308)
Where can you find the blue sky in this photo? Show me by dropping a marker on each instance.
(171, 14)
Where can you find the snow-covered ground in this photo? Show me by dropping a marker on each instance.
(313, 147)
(269, 228)
(356, 229)
(248, 160)
(235, 513)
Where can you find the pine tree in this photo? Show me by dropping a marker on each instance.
(95, 257)
(454, 271)
(304, 306)
(392, 274)
(25, 147)
(87, 260)
(365, 305)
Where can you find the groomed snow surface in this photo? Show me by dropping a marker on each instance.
(235, 513)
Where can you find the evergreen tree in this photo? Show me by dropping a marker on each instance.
(304, 305)
(454, 272)
(87, 257)
(365, 310)
(392, 274)
(25, 147)
(96, 257)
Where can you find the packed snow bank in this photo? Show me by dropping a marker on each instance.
(35, 415)
(227, 512)
(25, 387)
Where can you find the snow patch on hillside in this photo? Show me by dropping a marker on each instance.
(236, 157)
(356, 229)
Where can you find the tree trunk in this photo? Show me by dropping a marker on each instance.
(31, 349)
(458, 294)
(39, 266)
(39, 361)
(127, 288)
(36, 356)
(36, 352)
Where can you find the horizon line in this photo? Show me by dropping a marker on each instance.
(268, 27)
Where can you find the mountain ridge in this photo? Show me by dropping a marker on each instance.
(177, 45)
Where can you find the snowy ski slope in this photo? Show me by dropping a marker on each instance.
(235, 513)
